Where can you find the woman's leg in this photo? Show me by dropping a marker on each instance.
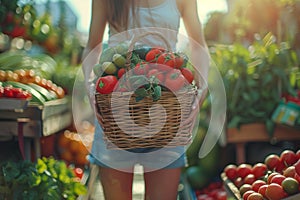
(162, 184)
(116, 184)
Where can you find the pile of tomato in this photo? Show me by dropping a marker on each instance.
(12, 92)
(276, 178)
(153, 65)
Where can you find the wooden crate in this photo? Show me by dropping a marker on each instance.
(257, 132)
(233, 191)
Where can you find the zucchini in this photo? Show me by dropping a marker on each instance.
(36, 96)
(44, 92)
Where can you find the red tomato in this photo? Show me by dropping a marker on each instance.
(297, 177)
(272, 161)
(152, 55)
(204, 197)
(106, 84)
(290, 171)
(141, 68)
(18, 31)
(269, 178)
(174, 80)
(231, 171)
(275, 192)
(288, 157)
(262, 190)
(179, 62)
(249, 179)
(121, 72)
(221, 195)
(297, 167)
(278, 178)
(188, 74)
(244, 188)
(24, 95)
(298, 152)
(157, 74)
(238, 182)
(78, 172)
(243, 170)
(8, 92)
(255, 196)
(247, 194)
(280, 167)
(257, 184)
(16, 91)
(166, 58)
(259, 170)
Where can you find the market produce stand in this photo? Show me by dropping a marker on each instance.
(257, 133)
(29, 122)
(234, 192)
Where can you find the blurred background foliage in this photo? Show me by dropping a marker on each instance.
(246, 18)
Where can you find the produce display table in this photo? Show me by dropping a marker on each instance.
(257, 133)
(30, 122)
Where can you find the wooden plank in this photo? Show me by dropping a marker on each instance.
(257, 133)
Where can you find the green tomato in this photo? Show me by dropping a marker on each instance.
(109, 67)
(107, 55)
(98, 70)
(122, 48)
(119, 60)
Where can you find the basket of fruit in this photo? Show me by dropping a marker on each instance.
(143, 94)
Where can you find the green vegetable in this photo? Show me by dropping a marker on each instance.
(36, 96)
(48, 95)
(255, 77)
(46, 179)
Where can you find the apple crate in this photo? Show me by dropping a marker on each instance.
(233, 191)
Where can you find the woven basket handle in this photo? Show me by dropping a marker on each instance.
(136, 38)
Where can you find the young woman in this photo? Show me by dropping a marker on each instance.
(161, 181)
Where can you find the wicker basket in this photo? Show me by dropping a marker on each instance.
(132, 124)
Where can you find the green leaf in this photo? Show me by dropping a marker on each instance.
(11, 171)
(141, 92)
(267, 79)
(235, 122)
(156, 93)
(41, 166)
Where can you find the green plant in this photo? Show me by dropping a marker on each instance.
(255, 78)
(46, 179)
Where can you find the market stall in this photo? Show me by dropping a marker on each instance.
(30, 122)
